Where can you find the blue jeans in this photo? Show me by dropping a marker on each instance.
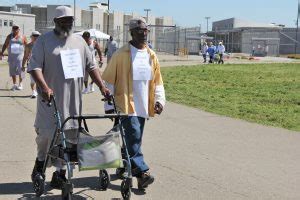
(134, 128)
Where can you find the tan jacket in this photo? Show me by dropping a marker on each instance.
(119, 74)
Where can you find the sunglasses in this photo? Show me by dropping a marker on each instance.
(141, 31)
(65, 20)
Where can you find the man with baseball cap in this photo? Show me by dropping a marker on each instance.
(15, 43)
(26, 58)
(133, 75)
(58, 63)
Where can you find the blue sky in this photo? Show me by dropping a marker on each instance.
(188, 13)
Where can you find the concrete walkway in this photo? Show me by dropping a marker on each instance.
(193, 154)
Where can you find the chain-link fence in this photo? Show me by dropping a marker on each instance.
(182, 41)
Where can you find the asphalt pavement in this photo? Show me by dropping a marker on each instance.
(192, 154)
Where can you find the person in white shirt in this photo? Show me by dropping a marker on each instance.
(111, 48)
(204, 51)
(133, 75)
(93, 47)
(221, 51)
(27, 54)
(15, 43)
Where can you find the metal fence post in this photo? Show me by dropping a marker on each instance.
(175, 31)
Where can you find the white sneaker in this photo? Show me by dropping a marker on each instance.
(91, 87)
(20, 87)
(34, 94)
(85, 91)
(14, 87)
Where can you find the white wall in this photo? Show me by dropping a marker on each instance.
(98, 19)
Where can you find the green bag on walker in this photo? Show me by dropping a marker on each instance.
(99, 152)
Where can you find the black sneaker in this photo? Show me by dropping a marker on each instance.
(37, 169)
(144, 180)
(58, 179)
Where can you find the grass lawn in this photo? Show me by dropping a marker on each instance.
(264, 93)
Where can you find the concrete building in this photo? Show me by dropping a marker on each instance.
(95, 17)
(7, 19)
(241, 36)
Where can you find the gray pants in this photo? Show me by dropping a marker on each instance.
(43, 141)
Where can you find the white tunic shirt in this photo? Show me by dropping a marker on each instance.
(140, 87)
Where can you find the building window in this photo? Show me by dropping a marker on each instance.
(10, 23)
(5, 23)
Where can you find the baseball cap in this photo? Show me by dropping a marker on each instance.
(138, 22)
(35, 33)
(15, 25)
(63, 11)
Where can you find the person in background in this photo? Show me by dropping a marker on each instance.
(27, 54)
(220, 50)
(93, 47)
(111, 48)
(15, 43)
(150, 45)
(140, 93)
(204, 51)
(211, 50)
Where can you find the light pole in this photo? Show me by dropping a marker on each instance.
(147, 11)
(107, 4)
(207, 18)
(297, 22)
(74, 14)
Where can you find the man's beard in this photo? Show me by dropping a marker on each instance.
(63, 32)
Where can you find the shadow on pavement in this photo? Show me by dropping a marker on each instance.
(7, 96)
(32, 196)
(4, 89)
(118, 188)
(88, 183)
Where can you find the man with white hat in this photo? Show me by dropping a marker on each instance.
(26, 58)
(15, 43)
(133, 74)
(221, 51)
(58, 63)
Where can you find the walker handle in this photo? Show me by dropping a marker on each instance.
(49, 103)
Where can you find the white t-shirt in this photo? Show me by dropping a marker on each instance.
(140, 87)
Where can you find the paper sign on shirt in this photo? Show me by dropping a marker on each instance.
(15, 48)
(71, 62)
(141, 68)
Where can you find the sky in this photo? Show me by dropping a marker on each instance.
(189, 13)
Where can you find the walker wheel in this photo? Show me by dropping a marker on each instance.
(104, 179)
(39, 185)
(67, 191)
(126, 189)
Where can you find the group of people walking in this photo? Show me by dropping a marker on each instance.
(19, 54)
(215, 53)
(60, 63)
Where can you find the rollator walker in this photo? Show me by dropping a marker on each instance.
(64, 151)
